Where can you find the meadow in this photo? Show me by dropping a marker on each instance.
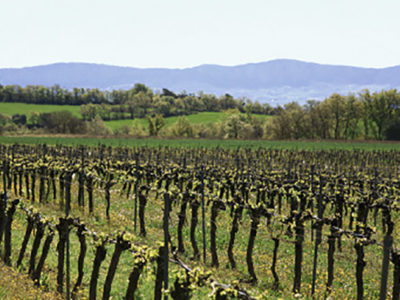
(25, 109)
(199, 118)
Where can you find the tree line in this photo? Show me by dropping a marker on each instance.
(136, 102)
(363, 116)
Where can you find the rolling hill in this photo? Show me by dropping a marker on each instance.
(277, 81)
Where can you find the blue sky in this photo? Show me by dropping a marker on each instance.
(185, 33)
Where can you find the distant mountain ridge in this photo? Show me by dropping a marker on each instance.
(276, 81)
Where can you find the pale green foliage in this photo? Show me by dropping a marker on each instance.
(182, 128)
(136, 130)
(340, 117)
(242, 127)
(89, 111)
(4, 119)
(155, 124)
(97, 127)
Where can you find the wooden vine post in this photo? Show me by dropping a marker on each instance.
(40, 227)
(194, 204)
(81, 180)
(140, 262)
(67, 208)
(3, 208)
(182, 216)
(166, 237)
(359, 247)
(318, 238)
(387, 246)
(29, 228)
(83, 247)
(120, 246)
(136, 192)
(299, 230)
(5, 175)
(98, 259)
(7, 232)
(203, 214)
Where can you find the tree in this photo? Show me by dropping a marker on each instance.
(155, 124)
(4, 119)
(164, 105)
(393, 131)
(143, 101)
(336, 105)
(97, 127)
(352, 117)
(233, 125)
(381, 110)
(166, 92)
(226, 102)
(365, 98)
(34, 119)
(140, 87)
(210, 102)
(89, 111)
(62, 122)
(19, 119)
(182, 128)
(290, 123)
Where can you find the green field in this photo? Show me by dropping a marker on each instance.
(203, 117)
(270, 168)
(196, 143)
(24, 109)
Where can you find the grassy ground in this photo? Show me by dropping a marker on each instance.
(196, 143)
(24, 109)
(203, 117)
(122, 220)
(14, 285)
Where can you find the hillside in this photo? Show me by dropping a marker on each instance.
(276, 81)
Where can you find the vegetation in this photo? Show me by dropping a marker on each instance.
(278, 223)
(195, 119)
(137, 102)
(14, 285)
(354, 117)
(201, 143)
(368, 116)
(203, 124)
(12, 108)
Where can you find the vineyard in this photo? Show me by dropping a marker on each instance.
(181, 223)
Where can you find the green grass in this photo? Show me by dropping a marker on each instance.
(203, 117)
(121, 219)
(23, 108)
(196, 143)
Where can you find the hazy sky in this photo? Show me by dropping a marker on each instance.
(184, 33)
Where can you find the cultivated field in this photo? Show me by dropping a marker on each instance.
(203, 143)
(278, 223)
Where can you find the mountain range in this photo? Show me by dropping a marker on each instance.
(275, 82)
